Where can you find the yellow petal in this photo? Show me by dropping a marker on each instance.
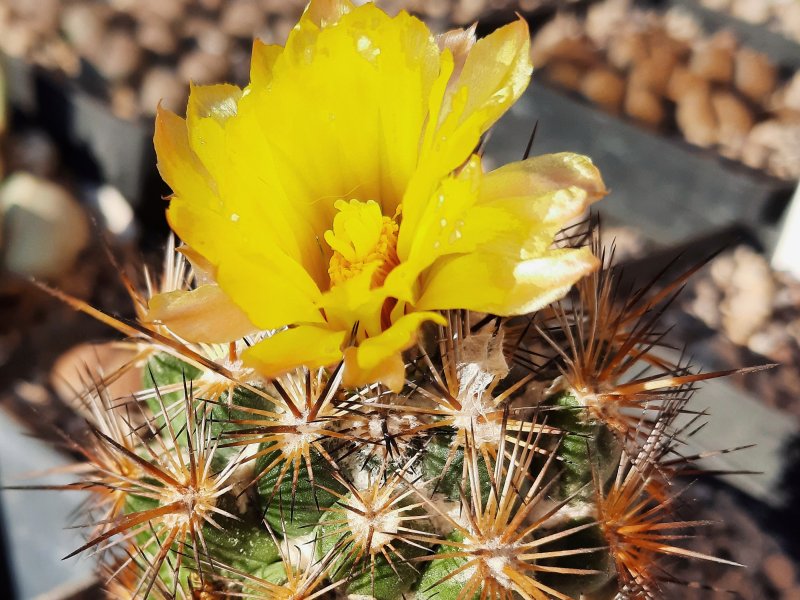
(355, 301)
(178, 165)
(201, 225)
(390, 371)
(517, 271)
(541, 194)
(202, 269)
(324, 13)
(318, 15)
(495, 73)
(379, 358)
(540, 175)
(504, 285)
(305, 345)
(217, 102)
(209, 108)
(497, 70)
(203, 315)
(362, 88)
(262, 61)
(271, 288)
(451, 223)
(195, 207)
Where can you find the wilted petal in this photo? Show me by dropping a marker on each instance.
(203, 315)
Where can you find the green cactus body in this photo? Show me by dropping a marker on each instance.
(438, 582)
(386, 571)
(470, 483)
(165, 371)
(588, 448)
(240, 542)
(450, 481)
(295, 506)
(596, 559)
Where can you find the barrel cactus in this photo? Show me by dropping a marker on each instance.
(372, 369)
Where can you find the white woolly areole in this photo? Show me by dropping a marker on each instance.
(382, 521)
(196, 503)
(304, 432)
(501, 555)
(236, 368)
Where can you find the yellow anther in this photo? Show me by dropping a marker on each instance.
(362, 237)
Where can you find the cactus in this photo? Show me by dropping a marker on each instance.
(519, 460)
(387, 446)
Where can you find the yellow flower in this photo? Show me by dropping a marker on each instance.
(337, 198)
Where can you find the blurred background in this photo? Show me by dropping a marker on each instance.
(691, 108)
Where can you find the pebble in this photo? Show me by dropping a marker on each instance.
(44, 227)
(712, 59)
(119, 56)
(69, 373)
(678, 79)
(644, 105)
(124, 102)
(114, 212)
(157, 36)
(777, 15)
(33, 151)
(780, 571)
(696, 117)
(160, 84)
(84, 25)
(240, 18)
(735, 119)
(605, 88)
(202, 68)
(754, 74)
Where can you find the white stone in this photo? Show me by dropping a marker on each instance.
(114, 211)
(43, 227)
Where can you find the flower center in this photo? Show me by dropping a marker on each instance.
(362, 239)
